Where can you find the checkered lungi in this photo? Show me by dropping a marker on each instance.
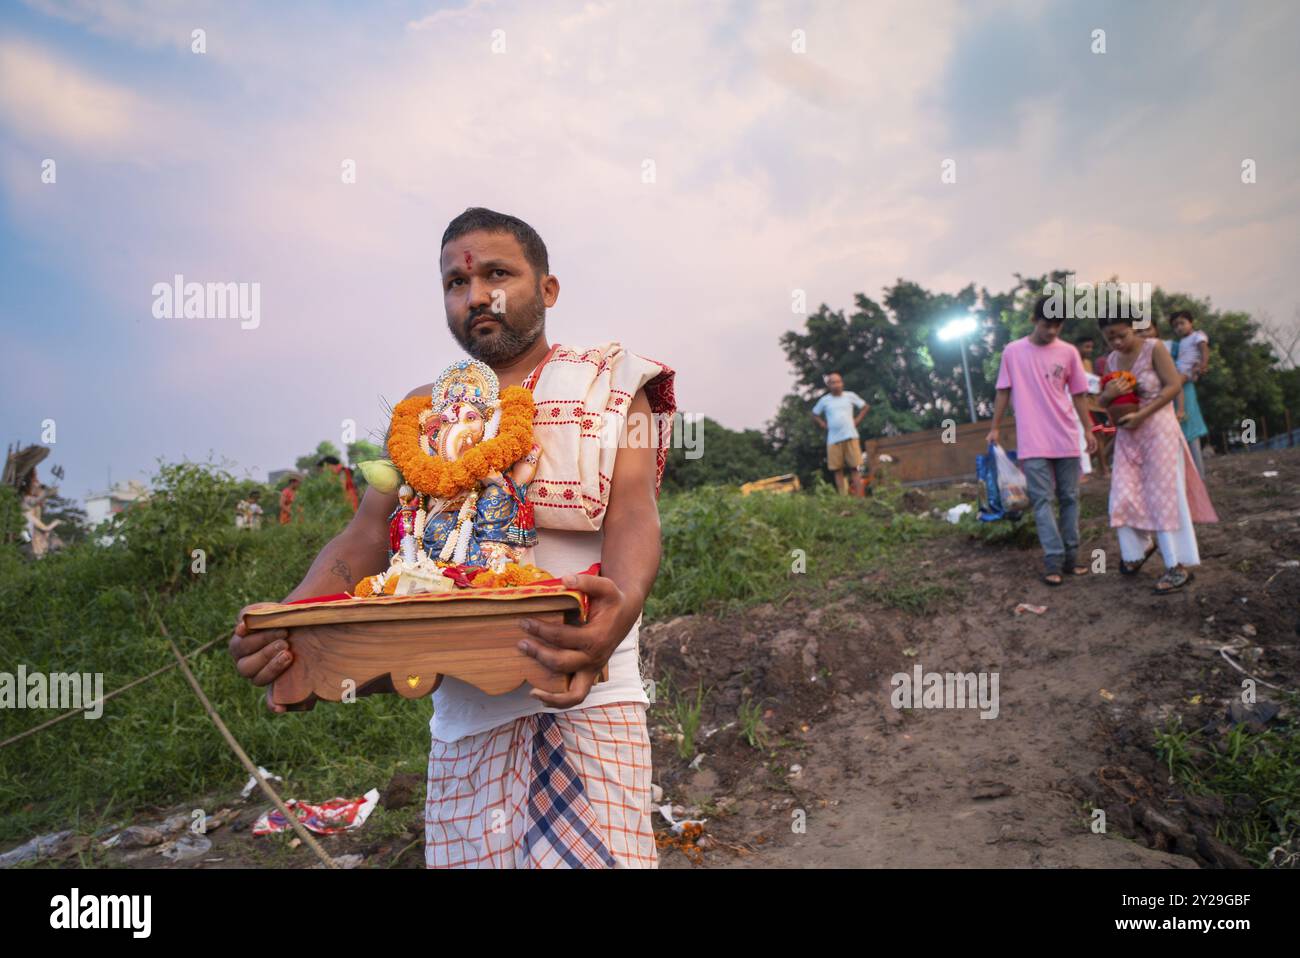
(550, 790)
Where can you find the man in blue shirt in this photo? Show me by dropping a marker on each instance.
(843, 450)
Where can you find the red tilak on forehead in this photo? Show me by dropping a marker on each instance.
(469, 260)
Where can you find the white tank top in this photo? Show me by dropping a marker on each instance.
(459, 709)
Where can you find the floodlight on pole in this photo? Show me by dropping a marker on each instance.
(958, 328)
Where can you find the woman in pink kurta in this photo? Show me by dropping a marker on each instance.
(1154, 486)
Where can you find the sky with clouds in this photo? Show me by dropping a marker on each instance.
(775, 170)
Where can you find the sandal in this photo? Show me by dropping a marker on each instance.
(1131, 568)
(1047, 578)
(1173, 580)
(1073, 567)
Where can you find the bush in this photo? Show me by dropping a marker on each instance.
(192, 506)
(321, 498)
(91, 608)
(11, 516)
(722, 549)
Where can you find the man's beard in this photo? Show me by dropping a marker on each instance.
(514, 337)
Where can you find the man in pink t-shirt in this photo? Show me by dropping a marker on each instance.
(1044, 380)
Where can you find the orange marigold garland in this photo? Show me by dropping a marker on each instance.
(446, 480)
(1126, 378)
(512, 575)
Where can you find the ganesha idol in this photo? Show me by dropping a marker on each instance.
(460, 462)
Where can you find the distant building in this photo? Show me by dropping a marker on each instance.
(274, 476)
(104, 505)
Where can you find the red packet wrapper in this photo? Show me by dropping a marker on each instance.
(323, 818)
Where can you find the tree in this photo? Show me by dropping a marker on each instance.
(1242, 381)
(363, 450)
(890, 354)
(191, 507)
(796, 440)
(727, 457)
(72, 526)
(307, 463)
(12, 522)
(1283, 337)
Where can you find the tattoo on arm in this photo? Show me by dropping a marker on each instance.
(343, 571)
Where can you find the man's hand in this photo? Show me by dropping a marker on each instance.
(583, 649)
(1091, 446)
(992, 437)
(261, 656)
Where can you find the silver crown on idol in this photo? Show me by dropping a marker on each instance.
(466, 380)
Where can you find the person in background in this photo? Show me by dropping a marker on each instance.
(1152, 331)
(1043, 377)
(286, 499)
(1086, 347)
(248, 513)
(1155, 488)
(843, 448)
(1191, 354)
(344, 473)
(1096, 414)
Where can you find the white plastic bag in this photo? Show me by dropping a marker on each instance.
(956, 512)
(1012, 485)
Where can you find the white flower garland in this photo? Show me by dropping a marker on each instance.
(456, 548)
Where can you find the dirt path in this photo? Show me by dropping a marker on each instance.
(1082, 687)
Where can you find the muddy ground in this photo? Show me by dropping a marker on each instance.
(839, 777)
(1082, 688)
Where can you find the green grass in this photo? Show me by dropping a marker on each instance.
(684, 710)
(908, 594)
(722, 550)
(1021, 533)
(749, 718)
(1261, 766)
(89, 609)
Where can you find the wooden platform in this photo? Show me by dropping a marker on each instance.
(406, 644)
